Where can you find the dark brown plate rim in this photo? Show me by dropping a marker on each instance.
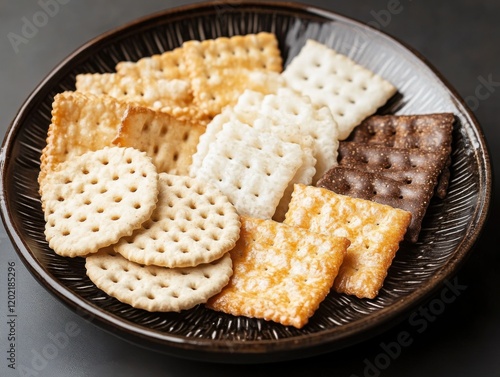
(242, 351)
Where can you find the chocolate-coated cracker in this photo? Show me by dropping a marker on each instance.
(409, 165)
(428, 132)
(357, 183)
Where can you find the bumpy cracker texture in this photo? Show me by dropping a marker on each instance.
(170, 142)
(168, 65)
(157, 289)
(80, 123)
(410, 165)
(428, 132)
(351, 91)
(193, 223)
(375, 231)
(221, 69)
(291, 116)
(97, 198)
(376, 187)
(252, 168)
(281, 273)
(173, 97)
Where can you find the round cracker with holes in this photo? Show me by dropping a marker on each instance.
(157, 289)
(94, 199)
(193, 223)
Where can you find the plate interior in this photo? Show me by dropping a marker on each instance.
(447, 225)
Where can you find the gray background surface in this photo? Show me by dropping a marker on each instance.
(460, 38)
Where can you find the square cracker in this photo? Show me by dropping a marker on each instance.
(280, 273)
(291, 116)
(359, 183)
(80, 123)
(375, 231)
(170, 142)
(351, 91)
(221, 69)
(253, 169)
(304, 173)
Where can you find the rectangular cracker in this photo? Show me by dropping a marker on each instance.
(412, 166)
(414, 198)
(170, 142)
(280, 273)
(351, 91)
(173, 97)
(374, 230)
(221, 69)
(253, 169)
(169, 65)
(428, 132)
(80, 123)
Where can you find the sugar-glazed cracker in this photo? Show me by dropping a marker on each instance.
(351, 91)
(157, 289)
(94, 199)
(281, 273)
(193, 223)
(252, 168)
(170, 142)
(375, 231)
(80, 123)
(221, 69)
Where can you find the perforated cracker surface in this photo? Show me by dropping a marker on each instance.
(155, 288)
(252, 168)
(221, 69)
(281, 273)
(193, 223)
(95, 199)
(80, 123)
(170, 142)
(375, 231)
(351, 91)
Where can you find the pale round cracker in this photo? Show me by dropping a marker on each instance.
(157, 289)
(193, 223)
(94, 199)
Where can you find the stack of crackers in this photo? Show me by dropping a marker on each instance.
(211, 174)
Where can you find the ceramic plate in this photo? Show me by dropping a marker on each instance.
(449, 232)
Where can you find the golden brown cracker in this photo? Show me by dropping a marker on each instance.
(173, 97)
(170, 142)
(281, 273)
(167, 65)
(80, 123)
(375, 231)
(221, 69)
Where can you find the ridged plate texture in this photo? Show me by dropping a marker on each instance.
(449, 230)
